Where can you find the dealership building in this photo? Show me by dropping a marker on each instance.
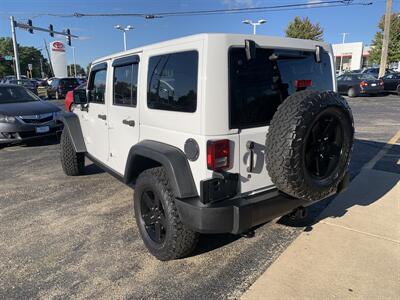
(354, 56)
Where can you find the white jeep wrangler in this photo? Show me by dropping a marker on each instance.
(216, 133)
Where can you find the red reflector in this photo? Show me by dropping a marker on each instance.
(218, 155)
(363, 83)
(381, 82)
(302, 83)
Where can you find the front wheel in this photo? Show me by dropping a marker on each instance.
(72, 163)
(160, 226)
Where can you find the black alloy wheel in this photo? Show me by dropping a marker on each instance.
(323, 146)
(153, 216)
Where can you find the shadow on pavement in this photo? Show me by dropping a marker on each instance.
(363, 152)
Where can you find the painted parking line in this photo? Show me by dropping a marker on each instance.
(383, 151)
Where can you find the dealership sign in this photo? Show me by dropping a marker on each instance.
(57, 46)
(58, 59)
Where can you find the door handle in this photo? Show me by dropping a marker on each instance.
(250, 146)
(103, 117)
(128, 122)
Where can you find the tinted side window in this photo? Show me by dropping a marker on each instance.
(125, 85)
(258, 86)
(172, 81)
(97, 86)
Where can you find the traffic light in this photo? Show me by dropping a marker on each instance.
(51, 30)
(69, 37)
(30, 29)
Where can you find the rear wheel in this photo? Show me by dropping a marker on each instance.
(309, 144)
(157, 218)
(398, 90)
(352, 93)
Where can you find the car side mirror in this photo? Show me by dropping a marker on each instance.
(80, 96)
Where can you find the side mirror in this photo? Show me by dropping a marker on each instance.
(80, 96)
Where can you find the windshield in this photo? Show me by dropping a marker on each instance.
(16, 94)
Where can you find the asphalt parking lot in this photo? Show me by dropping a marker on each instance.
(76, 236)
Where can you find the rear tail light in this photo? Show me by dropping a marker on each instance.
(218, 155)
(302, 83)
(363, 84)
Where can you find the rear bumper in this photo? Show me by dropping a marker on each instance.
(372, 90)
(236, 215)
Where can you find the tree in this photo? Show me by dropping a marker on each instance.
(27, 55)
(394, 41)
(304, 29)
(79, 70)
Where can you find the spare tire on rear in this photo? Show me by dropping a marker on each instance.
(309, 144)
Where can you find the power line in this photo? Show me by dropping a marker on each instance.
(295, 6)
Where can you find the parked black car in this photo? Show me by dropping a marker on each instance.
(27, 83)
(391, 82)
(24, 116)
(59, 87)
(355, 84)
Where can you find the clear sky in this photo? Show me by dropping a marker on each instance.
(99, 37)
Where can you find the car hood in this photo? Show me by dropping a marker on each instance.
(27, 108)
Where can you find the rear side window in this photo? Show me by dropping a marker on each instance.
(125, 85)
(172, 81)
(259, 86)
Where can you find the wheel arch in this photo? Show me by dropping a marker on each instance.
(73, 126)
(148, 154)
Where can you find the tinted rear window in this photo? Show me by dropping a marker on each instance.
(258, 86)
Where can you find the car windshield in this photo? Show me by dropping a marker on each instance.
(16, 94)
(365, 76)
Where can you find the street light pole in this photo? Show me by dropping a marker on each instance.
(124, 30)
(15, 46)
(254, 24)
(341, 54)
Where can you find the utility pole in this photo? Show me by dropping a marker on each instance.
(385, 41)
(15, 46)
(341, 54)
(73, 58)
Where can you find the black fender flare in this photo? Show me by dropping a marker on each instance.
(171, 158)
(73, 126)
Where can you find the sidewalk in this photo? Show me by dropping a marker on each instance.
(352, 252)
